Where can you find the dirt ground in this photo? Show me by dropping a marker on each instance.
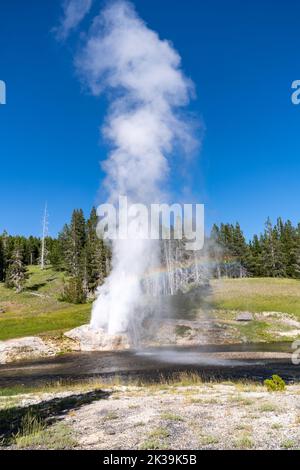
(198, 416)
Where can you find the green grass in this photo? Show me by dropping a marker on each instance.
(255, 331)
(159, 433)
(92, 384)
(171, 417)
(245, 441)
(288, 444)
(15, 390)
(34, 435)
(257, 295)
(51, 387)
(153, 444)
(182, 330)
(41, 293)
(208, 440)
(37, 309)
(54, 322)
(157, 439)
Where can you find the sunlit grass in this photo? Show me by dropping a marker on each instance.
(38, 309)
(34, 434)
(257, 295)
(55, 322)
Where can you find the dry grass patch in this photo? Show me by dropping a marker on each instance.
(171, 417)
(245, 441)
(110, 416)
(288, 444)
(34, 434)
(156, 440)
(240, 400)
(208, 440)
(269, 408)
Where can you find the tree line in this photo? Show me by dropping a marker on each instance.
(77, 250)
(86, 259)
(273, 253)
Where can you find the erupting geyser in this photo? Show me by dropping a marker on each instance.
(147, 89)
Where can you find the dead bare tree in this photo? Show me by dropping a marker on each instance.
(44, 236)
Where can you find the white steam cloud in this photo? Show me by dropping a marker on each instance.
(147, 89)
(74, 12)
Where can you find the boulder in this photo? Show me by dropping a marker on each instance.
(90, 339)
(244, 316)
(23, 348)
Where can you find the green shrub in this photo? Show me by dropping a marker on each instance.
(275, 384)
(73, 291)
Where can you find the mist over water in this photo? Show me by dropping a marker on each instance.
(142, 77)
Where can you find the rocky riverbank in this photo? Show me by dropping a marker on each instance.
(220, 327)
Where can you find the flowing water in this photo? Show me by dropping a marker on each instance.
(221, 362)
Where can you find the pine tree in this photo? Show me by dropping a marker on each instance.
(272, 256)
(96, 254)
(240, 249)
(56, 254)
(2, 260)
(32, 250)
(73, 291)
(75, 243)
(295, 254)
(16, 274)
(64, 247)
(254, 262)
(74, 238)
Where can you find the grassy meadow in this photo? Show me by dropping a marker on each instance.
(38, 311)
(258, 295)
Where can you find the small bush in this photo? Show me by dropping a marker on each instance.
(275, 384)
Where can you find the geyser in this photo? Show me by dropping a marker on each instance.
(147, 90)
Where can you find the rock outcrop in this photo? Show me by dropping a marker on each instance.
(90, 339)
(244, 316)
(24, 348)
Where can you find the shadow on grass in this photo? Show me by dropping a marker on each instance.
(46, 411)
(36, 287)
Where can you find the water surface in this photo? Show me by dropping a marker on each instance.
(210, 361)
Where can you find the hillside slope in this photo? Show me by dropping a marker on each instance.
(38, 309)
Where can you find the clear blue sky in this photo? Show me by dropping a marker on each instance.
(242, 56)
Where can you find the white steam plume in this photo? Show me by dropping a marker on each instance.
(147, 88)
(74, 12)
